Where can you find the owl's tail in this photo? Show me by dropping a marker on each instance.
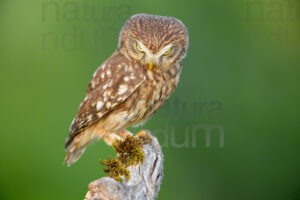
(74, 153)
(77, 145)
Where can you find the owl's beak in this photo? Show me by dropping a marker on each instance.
(150, 65)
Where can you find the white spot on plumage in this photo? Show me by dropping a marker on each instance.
(126, 68)
(110, 83)
(105, 98)
(95, 73)
(85, 99)
(105, 86)
(122, 89)
(99, 105)
(108, 104)
(126, 78)
(102, 75)
(89, 118)
(108, 72)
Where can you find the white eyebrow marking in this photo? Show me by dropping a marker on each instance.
(105, 86)
(143, 47)
(108, 104)
(164, 50)
(154, 57)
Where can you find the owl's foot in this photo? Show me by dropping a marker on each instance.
(111, 137)
(124, 133)
(144, 136)
(142, 133)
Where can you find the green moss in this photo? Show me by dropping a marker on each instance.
(115, 169)
(130, 152)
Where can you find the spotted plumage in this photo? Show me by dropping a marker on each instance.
(132, 84)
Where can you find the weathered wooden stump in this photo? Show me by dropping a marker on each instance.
(144, 182)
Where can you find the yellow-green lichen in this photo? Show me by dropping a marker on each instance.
(130, 152)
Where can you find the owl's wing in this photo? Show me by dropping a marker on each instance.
(112, 83)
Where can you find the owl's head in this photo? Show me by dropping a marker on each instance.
(153, 41)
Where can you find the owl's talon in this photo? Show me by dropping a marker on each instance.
(142, 133)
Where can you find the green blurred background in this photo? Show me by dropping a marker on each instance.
(241, 70)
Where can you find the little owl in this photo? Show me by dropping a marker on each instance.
(130, 86)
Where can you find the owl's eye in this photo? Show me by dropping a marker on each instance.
(139, 47)
(168, 52)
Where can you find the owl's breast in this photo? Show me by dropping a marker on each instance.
(150, 95)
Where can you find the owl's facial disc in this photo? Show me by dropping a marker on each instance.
(150, 58)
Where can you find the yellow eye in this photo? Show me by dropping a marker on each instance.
(139, 48)
(167, 52)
